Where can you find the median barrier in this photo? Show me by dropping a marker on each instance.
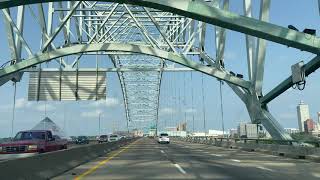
(289, 149)
(49, 165)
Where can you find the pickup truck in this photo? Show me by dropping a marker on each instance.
(33, 141)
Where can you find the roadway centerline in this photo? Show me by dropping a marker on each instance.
(103, 162)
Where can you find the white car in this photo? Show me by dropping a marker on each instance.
(164, 138)
(113, 138)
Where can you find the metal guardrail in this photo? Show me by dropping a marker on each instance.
(210, 140)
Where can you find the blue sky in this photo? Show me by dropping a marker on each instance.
(82, 117)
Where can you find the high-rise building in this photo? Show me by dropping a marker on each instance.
(303, 114)
(318, 117)
(252, 130)
(309, 125)
(291, 130)
(248, 130)
(242, 130)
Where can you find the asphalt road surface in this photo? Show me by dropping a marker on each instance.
(146, 159)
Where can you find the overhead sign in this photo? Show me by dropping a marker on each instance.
(66, 85)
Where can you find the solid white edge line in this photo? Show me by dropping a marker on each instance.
(235, 160)
(180, 168)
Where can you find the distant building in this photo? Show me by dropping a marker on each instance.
(242, 130)
(252, 130)
(309, 126)
(182, 127)
(233, 133)
(198, 134)
(215, 133)
(48, 124)
(303, 115)
(318, 123)
(292, 130)
(248, 130)
(170, 128)
(137, 133)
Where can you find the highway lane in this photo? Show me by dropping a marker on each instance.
(146, 159)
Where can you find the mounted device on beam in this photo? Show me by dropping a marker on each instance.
(298, 75)
(66, 85)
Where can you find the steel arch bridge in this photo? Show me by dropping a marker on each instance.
(140, 37)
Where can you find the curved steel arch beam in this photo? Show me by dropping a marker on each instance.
(147, 50)
(199, 10)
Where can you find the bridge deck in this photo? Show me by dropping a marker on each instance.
(145, 159)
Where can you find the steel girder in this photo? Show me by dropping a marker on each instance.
(199, 10)
(146, 50)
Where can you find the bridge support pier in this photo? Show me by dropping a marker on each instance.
(259, 112)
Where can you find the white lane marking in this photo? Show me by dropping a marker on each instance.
(217, 155)
(180, 168)
(198, 150)
(264, 168)
(161, 151)
(235, 160)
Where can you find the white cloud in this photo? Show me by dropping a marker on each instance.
(167, 111)
(23, 103)
(230, 55)
(91, 114)
(190, 110)
(43, 107)
(109, 102)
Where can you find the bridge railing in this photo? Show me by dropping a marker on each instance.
(210, 140)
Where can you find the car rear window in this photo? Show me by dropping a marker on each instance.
(114, 136)
(30, 135)
(103, 136)
(164, 134)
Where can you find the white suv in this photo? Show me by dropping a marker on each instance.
(164, 138)
(113, 138)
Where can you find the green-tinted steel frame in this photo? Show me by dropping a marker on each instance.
(147, 50)
(199, 10)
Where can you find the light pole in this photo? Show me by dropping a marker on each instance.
(99, 123)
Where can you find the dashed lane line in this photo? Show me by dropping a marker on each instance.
(180, 169)
(235, 160)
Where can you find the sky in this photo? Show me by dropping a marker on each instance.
(81, 118)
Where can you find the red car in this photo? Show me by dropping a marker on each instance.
(33, 141)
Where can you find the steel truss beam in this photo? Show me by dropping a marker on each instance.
(199, 10)
(120, 69)
(147, 50)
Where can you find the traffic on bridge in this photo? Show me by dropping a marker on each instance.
(159, 89)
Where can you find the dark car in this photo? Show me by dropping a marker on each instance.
(82, 140)
(103, 138)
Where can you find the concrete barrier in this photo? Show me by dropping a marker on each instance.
(48, 165)
(290, 151)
